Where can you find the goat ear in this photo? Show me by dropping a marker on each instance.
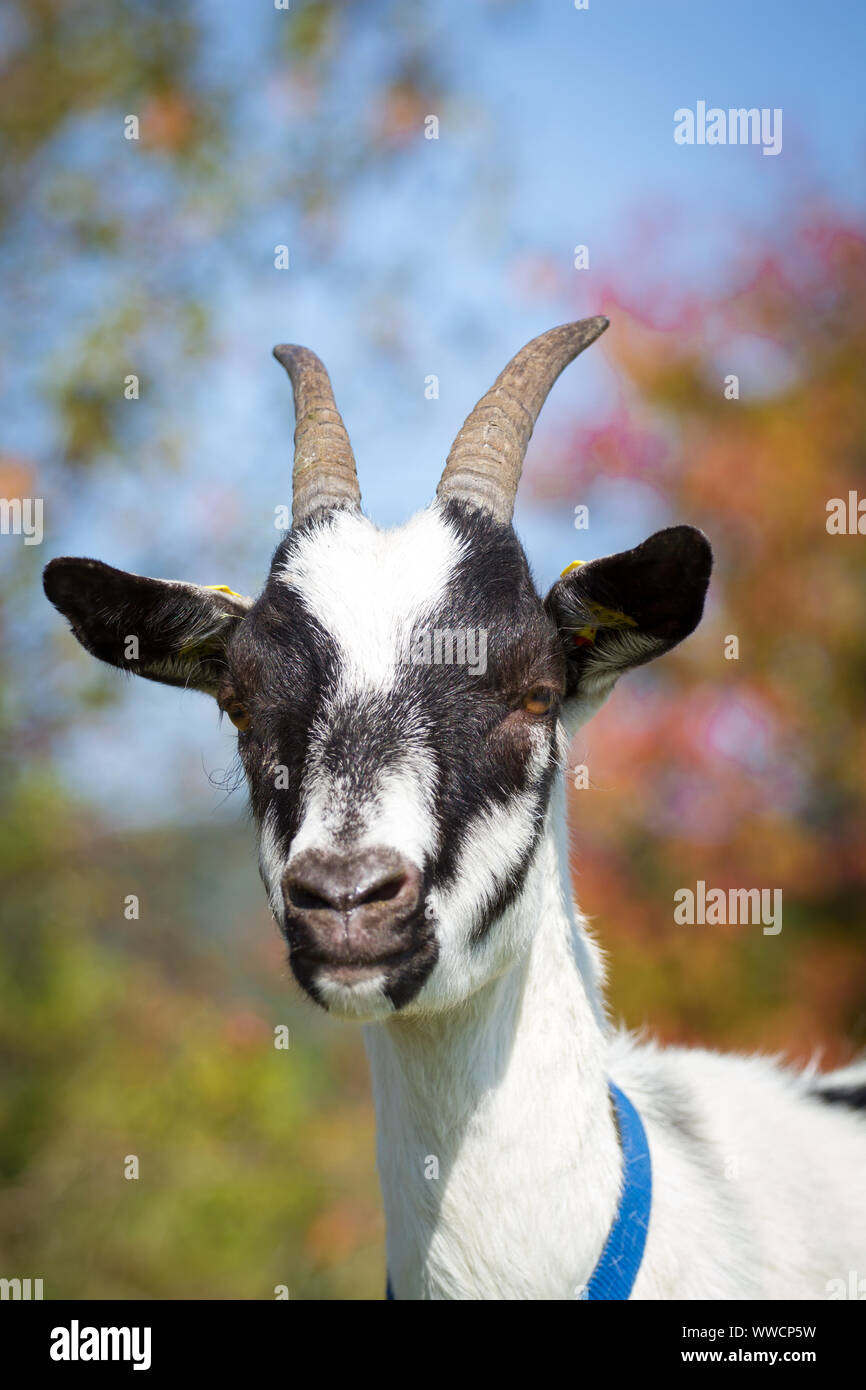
(163, 629)
(624, 610)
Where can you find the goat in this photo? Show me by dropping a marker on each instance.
(412, 835)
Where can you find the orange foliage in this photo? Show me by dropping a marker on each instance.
(748, 772)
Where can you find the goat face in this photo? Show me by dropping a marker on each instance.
(401, 699)
(399, 797)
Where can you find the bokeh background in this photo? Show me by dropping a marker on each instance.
(304, 127)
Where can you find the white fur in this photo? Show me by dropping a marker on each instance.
(371, 589)
(396, 811)
(496, 1075)
(363, 1000)
(271, 864)
(507, 1090)
(497, 839)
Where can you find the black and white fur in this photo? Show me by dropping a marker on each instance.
(486, 1029)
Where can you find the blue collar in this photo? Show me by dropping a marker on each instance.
(617, 1268)
(616, 1271)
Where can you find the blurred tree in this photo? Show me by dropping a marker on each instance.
(749, 771)
(149, 146)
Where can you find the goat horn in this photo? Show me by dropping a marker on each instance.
(324, 474)
(485, 462)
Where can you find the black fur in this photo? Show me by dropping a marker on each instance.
(853, 1096)
(181, 629)
(274, 658)
(660, 586)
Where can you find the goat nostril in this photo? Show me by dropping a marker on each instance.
(305, 898)
(365, 889)
(310, 898)
(382, 892)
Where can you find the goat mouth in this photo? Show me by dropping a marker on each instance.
(396, 966)
(350, 966)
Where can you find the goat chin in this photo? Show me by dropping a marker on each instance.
(362, 1002)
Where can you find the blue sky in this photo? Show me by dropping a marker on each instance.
(559, 130)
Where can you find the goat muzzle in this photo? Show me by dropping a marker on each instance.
(355, 910)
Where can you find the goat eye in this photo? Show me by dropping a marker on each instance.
(239, 715)
(539, 701)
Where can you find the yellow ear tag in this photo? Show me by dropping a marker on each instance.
(610, 617)
(607, 617)
(582, 636)
(224, 589)
(218, 589)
